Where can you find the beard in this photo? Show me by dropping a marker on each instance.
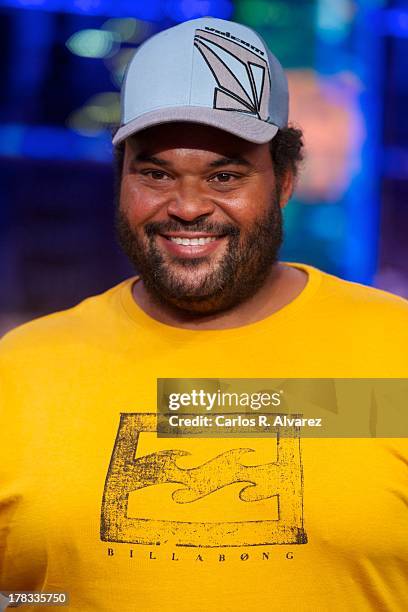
(208, 288)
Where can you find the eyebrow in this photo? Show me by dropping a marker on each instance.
(143, 157)
(217, 163)
(230, 161)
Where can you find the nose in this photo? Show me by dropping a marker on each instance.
(188, 202)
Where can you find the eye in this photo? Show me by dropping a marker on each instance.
(156, 175)
(223, 177)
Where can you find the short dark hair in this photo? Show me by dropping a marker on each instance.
(287, 151)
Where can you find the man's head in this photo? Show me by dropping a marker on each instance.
(201, 183)
(199, 212)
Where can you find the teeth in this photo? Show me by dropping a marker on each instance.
(192, 241)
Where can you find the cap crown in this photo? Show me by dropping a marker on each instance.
(208, 63)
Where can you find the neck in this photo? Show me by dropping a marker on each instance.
(282, 285)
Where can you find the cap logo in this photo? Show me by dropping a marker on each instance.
(232, 37)
(242, 77)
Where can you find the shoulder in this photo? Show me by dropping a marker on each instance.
(353, 311)
(362, 299)
(63, 328)
(363, 316)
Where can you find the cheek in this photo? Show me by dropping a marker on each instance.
(138, 203)
(245, 211)
(251, 203)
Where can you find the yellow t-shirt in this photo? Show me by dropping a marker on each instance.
(90, 499)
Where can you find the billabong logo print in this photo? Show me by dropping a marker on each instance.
(242, 77)
(169, 493)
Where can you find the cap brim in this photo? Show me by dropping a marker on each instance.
(245, 126)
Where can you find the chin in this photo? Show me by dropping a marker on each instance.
(198, 305)
(194, 276)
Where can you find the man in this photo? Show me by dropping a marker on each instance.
(93, 501)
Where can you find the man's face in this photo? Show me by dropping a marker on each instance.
(199, 215)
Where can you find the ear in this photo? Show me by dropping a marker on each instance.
(287, 188)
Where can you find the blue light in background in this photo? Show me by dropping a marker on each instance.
(182, 10)
(363, 200)
(393, 22)
(334, 19)
(45, 142)
(153, 10)
(328, 222)
(395, 163)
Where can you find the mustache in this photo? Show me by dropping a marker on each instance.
(198, 225)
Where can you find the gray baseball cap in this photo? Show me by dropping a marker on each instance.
(207, 71)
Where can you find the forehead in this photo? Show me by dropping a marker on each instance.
(195, 139)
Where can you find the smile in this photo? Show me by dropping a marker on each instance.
(189, 246)
(192, 241)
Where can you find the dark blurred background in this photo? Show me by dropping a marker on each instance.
(61, 67)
